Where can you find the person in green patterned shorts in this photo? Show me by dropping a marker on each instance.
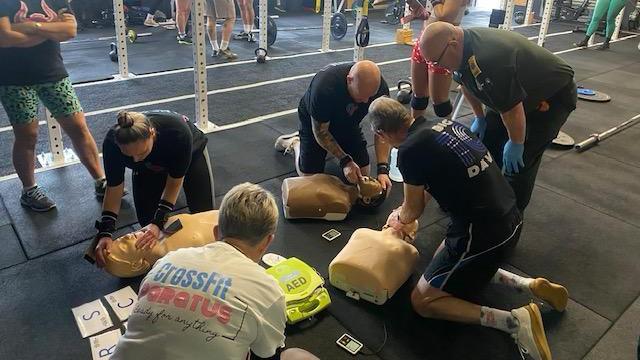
(31, 70)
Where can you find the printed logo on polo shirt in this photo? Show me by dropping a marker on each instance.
(192, 300)
(469, 149)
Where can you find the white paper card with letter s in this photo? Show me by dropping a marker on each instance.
(103, 346)
(91, 318)
(122, 302)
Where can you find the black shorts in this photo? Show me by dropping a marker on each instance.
(313, 156)
(472, 253)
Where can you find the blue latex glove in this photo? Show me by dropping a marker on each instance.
(512, 157)
(479, 126)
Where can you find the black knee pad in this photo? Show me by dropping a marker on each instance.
(419, 103)
(444, 109)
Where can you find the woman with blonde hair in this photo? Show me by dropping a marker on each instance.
(166, 153)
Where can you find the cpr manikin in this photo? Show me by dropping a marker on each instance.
(124, 260)
(323, 196)
(374, 264)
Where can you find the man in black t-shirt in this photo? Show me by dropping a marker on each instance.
(527, 91)
(444, 159)
(31, 69)
(330, 113)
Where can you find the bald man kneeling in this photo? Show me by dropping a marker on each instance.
(330, 113)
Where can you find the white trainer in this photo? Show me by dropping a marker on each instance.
(530, 338)
(285, 143)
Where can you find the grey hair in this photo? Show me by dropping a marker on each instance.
(248, 213)
(388, 115)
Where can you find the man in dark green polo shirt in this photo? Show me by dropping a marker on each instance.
(527, 93)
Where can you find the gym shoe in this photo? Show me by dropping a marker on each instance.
(184, 39)
(227, 54)
(37, 200)
(279, 9)
(604, 46)
(285, 143)
(101, 188)
(251, 38)
(583, 43)
(215, 53)
(241, 35)
(530, 338)
(554, 294)
(151, 22)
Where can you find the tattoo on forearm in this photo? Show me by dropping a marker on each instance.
(326, 140)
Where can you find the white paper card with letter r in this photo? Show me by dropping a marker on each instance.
(91, 318)
(122, 302)
(103, 346)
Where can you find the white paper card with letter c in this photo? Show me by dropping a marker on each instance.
(122, 302)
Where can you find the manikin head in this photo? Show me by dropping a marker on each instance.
(371, 192)
(390, 120)
(124, 260)
(442, 44)
(247, 219)
(363, 81)
(134, 135)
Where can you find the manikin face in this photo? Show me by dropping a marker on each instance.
(371, 192)
(124, 260)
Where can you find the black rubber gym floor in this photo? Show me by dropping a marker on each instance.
(581, 229)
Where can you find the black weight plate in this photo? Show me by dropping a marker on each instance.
(338, 26)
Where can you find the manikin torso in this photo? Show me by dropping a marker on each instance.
(124, 260)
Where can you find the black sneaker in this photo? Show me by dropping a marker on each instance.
(279, 9)
(36, 199)
(605, 45)
(583, 43)
(251, 38)
(228, 55)
(241, 35)
(184, 39)
(215, 53)
(101, 188)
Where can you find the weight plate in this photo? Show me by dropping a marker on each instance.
(338, 26)
(563, 140)
(596, 97)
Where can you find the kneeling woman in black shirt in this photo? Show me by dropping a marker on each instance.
(165, 151)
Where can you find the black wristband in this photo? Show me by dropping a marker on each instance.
(383, 168)
(107, 224)
(345, 160)
(162, 213)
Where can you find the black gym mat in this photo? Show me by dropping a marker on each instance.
(319, 337)
(89, 61)
(72, 221)
(246, 154)
(37, 301)
(592, 254)
(622, 341)
(612, 187)
(623, 147)
(11, 253)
